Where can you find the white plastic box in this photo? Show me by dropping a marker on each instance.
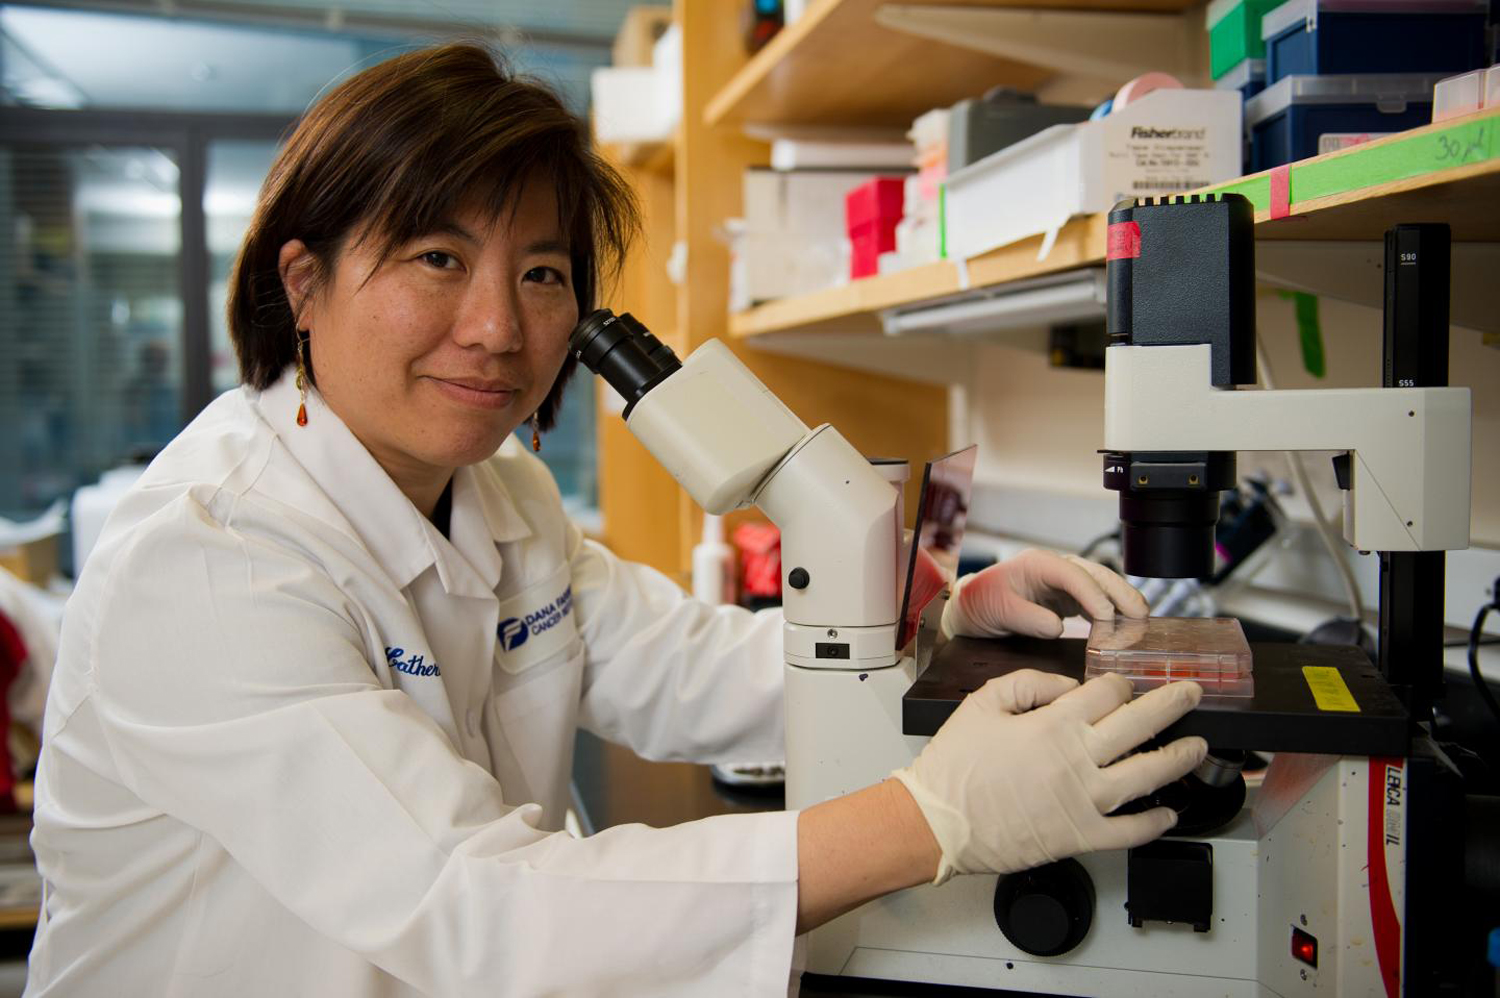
(1166, 142)
(1466, 93)
(792, 239)
(666, 69)
(626, 105)
(810, 202)
(640, 103)
(764, 266)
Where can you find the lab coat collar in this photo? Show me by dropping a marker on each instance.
(403, 540)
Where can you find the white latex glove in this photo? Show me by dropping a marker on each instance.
(1006, 787)
(1031, 593)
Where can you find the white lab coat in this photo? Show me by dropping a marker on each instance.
(286, 754)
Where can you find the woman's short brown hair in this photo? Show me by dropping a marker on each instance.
(391, 153)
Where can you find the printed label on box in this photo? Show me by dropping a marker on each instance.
(1164, 158)
(1334, 141)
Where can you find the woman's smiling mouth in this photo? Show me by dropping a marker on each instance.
(476, 392)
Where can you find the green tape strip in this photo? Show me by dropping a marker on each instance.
(942, 221)
(1462, 144)
(1257, 189)
(1309, 331)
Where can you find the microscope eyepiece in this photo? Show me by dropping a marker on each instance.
(622, 352)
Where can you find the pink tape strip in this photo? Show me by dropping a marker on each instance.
(1281, 191)
(1123, 241)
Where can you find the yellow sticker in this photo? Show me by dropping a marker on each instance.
(1328, 688)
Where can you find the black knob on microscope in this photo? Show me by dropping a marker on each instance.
(1046, 911)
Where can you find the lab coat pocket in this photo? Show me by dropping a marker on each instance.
(537, 624)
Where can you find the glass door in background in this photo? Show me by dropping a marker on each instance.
(233, 172)
(91, 313)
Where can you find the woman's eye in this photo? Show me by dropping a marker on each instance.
(545, 275)
(439, 259)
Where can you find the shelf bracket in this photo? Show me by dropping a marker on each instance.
(1093, 52)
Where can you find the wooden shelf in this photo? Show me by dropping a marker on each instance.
(12, 919)
(1449, 172)
(855, 307)
(685, 194)
(653, 157)
(837, 66)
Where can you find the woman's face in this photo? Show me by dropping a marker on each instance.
(436, 356)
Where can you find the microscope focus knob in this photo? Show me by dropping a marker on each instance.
(1046, 911)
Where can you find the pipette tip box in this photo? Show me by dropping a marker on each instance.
(1211, 651)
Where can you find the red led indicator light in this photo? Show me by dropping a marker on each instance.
(1304, 947)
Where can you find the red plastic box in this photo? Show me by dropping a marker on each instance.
(871, 212)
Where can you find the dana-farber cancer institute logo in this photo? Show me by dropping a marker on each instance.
(513, 631)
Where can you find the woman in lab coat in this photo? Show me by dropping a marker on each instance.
(311, 725)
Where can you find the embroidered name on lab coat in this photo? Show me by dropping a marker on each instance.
(416, 665)
(536, 623)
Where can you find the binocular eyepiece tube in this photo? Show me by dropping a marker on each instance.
(623, 352)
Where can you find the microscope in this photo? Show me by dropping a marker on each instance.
(1330, 877)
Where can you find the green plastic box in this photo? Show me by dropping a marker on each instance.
(1234, 32)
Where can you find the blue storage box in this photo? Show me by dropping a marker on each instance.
(1248, 77)
(1304, 116)
(1336, 37)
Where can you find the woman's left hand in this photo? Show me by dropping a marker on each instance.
(1031, 593)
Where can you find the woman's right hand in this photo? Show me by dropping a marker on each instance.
(1029, 766)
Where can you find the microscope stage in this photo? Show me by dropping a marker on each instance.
(1282, 716)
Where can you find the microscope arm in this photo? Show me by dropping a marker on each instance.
(731, 443)
(1408, 487)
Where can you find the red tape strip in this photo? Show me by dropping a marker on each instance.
(1281, 191)
(1384, 921)
(1123, 241)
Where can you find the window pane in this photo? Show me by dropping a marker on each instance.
(90, 314)
(234, 174)
(569, 450)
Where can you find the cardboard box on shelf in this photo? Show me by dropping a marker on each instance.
(28, 549)
(1166, 142)
(34, 561)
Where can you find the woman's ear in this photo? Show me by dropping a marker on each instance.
(297, 265)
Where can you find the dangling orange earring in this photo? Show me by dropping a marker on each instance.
(301, 380)
(536, 436)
